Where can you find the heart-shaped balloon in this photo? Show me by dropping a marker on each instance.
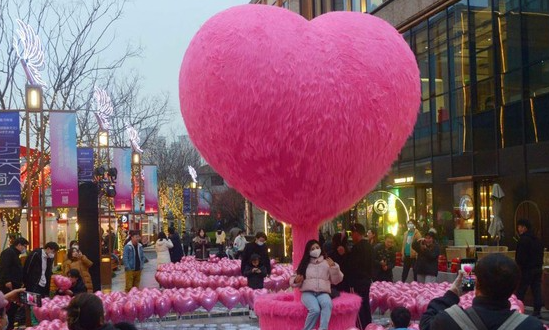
(303, 119)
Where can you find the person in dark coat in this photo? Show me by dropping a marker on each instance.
(38, 269)
(257, 247)
(359, 272)
(176, 253)
(384, 259)
(11, 273)
(255, 272)
(77, 286)
(340, 249)
(427, 258)
(529, 257)
(497, 277)
(187, 242)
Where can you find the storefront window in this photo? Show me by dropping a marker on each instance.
(511, 125)
(510, 56)
(537, 120)
(459, 45)
(486, 99)
(373, 4)
(441, 125)
(507, 5)
(511, 86)
(388, 211)
(461, 124)
(538, 78)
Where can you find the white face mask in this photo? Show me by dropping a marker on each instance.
(75, 246)
(51, 255)
(411, 227)
(315, 253)
(260, 243)
(24, 251)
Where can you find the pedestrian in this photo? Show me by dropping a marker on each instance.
(37, 270)
(256, 247)
(187, 242)
(359, 272)
(340, 251)
(529, 257)
(76, 260)
(314, 276)
(400, 318)
(255, 272)
(409, 255)
(11, 273)
(239, 244)
(85, 312)
(371, 235)
(384, 259)
(77, 286)
(220, 242)
(133, 259)
(497, 277)
(427, 258)
(162, 247)
(176, 252)
(201, 246)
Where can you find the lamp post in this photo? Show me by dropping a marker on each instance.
(34, 104)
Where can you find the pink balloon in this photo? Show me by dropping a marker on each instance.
(293, 126)
(229, 297)
(208, 299)
(162, 306)
(129, 311)
(184, 304)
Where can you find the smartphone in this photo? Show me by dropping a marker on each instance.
(469, 279)
(31, 298)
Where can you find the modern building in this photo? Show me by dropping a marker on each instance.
(483, 120)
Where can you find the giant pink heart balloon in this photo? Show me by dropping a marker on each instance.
(305, 118)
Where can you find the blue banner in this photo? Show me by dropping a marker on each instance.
(187, 201)
(10, 166)
(85, 164)
(64, 168)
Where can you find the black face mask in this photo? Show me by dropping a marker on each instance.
(219, 232)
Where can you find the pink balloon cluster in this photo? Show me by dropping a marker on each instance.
(373, 326)
(416, 297)
(62, 282)
(216, 273)
(51, 325)
(143, 304)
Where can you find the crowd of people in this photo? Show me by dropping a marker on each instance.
(324, 271)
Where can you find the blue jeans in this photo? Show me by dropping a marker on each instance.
(318, 304)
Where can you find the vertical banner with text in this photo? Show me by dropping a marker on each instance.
(151, 188)
(64, 167)
(85, 161)
(10, 166)
(122, 161)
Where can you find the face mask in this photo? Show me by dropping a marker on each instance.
(24, 251)
(260, 243)
(75, 246)
(411, 227)
(51, 255)
(315, 253)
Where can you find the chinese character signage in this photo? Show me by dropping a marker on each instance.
(10, 167)
(85, 164)
(122, 161)
(64, 167)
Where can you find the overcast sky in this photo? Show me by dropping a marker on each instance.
(165, 28)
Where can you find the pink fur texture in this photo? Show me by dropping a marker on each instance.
(303, 118)
(281, 311)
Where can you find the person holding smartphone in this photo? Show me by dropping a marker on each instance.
(427, 258)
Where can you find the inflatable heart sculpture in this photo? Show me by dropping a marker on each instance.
(303, 119)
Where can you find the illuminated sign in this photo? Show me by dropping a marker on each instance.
(409, 179)
(380, 207)
(104, 108)
(28, 48)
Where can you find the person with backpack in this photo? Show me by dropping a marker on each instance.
(497, 277)
(529, 257)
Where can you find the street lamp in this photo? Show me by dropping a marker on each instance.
(103, 139)
(33, 97)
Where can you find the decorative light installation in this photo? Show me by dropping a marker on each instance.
(192, 172)
(29, 48)
(104, 108)
(134, 138)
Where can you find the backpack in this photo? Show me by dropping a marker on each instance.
(469, 319)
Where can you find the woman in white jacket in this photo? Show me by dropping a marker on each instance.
(162, 247)
(314, 277)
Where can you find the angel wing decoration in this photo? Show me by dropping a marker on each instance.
(192, 172)
(104, 108)
(134, 138)
(29, 49)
